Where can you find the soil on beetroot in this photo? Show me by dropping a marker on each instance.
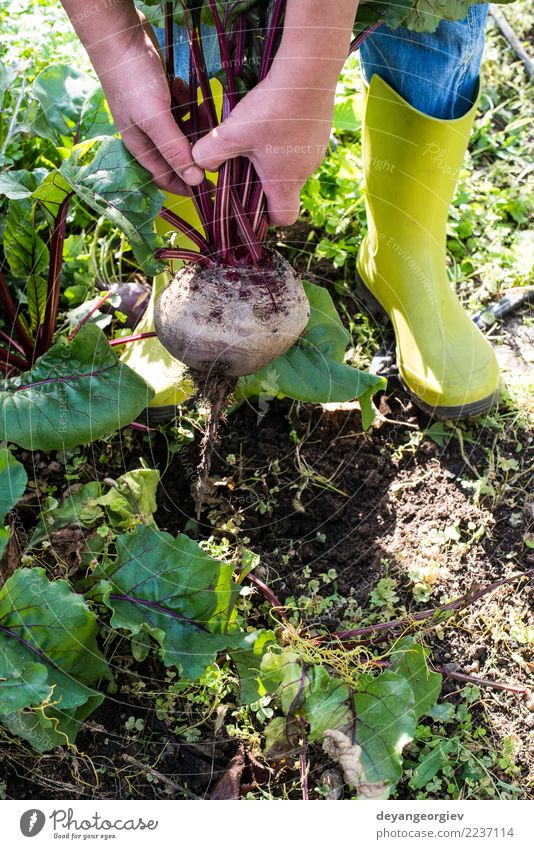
(305, 481)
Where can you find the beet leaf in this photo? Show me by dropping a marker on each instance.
(173, 590)
(75, 393)
(48, 658)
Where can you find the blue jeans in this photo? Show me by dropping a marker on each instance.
(210, 47)
(436, 73)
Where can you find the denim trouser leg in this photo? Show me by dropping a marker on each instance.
(436, 73)
(210, 46)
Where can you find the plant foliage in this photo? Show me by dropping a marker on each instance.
(48, 659)
(75, 393)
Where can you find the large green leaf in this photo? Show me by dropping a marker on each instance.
(44, 729)
(30, 678)
(70, 105)
(283, 672)
(173, 590)
(247, 650)
(313, 369)
(110, 181)
(13, 480)
(74, 394)
(410, 660)
(385, 723)
(365, 728)
(48, 657)
(417, 15)
(27, 256)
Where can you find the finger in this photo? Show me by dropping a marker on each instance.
(142, 148)
(147, 26)
(217, 147)
(174, 148)
(283, 202)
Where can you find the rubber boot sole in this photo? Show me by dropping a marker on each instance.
(458, 413)
(455, 413)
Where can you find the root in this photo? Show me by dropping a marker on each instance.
(214, 390)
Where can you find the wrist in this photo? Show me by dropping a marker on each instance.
(315, 42)
(107, 29)
(319, 75)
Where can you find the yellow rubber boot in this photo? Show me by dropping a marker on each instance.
(411, 165)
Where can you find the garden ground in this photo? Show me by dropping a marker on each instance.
(349, 527)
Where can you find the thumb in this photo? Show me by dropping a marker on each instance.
(283, 202)
(216, 147)
(174, 148)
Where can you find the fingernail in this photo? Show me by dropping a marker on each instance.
(193, 175)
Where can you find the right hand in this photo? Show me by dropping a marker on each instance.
(138, 95)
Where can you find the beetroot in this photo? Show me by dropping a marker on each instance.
(232, 320)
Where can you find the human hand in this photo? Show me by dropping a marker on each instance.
(129, 67)
(283, 128)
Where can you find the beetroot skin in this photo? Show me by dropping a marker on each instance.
(232, 320)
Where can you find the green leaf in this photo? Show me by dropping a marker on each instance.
(141, 646)
(308, 691)
(27, 256)
(48, 657)
(365, 731)
(372, 726)
(33, 678)
(324, 316)
(385, 723)
(173, 590)
(410, 660)
(312, 370)
(75, 393)
(284, 673)
(327, 705)
(78, 508)
(431, 764)
(52, 192)
(442, 712)
(132, 499)
(13, 480)
(96, 119)
(425, 15)
(70, 105)
(417, 15)
(44, 731)
(110, 181)
(247, 650)
(347, 114)
(438, 433)
(281, 738)
(21, 184)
